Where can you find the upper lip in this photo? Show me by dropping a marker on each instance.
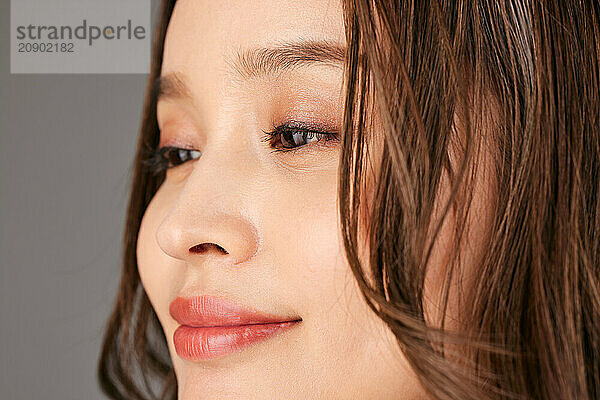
(208, 311)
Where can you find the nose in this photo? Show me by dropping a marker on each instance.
(210, 218)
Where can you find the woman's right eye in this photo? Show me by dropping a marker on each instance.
(170, 156)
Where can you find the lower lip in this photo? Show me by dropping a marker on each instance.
(195, 343)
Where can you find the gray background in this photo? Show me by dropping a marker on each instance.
(103, 56)
(66, 148)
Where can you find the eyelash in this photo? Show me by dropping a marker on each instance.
(160, 160)
(295, 127)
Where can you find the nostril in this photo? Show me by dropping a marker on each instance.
(204, 247)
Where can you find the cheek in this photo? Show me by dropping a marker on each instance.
(307, 239)
(342, 330)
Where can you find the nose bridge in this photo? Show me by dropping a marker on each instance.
(210, 216)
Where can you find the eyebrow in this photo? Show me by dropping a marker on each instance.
(251, 63)
(259, 62)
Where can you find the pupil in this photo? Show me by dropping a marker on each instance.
(297, 139)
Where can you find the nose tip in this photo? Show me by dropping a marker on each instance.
(222, 236)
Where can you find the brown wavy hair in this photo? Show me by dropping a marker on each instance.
(524, 77)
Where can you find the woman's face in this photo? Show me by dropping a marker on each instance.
(257, 227)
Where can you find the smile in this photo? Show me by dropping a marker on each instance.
(211, 327)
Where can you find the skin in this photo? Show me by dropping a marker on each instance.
(275, 213)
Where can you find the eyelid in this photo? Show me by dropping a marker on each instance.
(177, 128)
(176, 142)
(306, 126)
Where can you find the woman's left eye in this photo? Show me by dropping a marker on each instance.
(291, 136)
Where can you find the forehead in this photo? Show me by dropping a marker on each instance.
(203, 35)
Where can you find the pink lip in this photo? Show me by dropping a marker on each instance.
(212, 327)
